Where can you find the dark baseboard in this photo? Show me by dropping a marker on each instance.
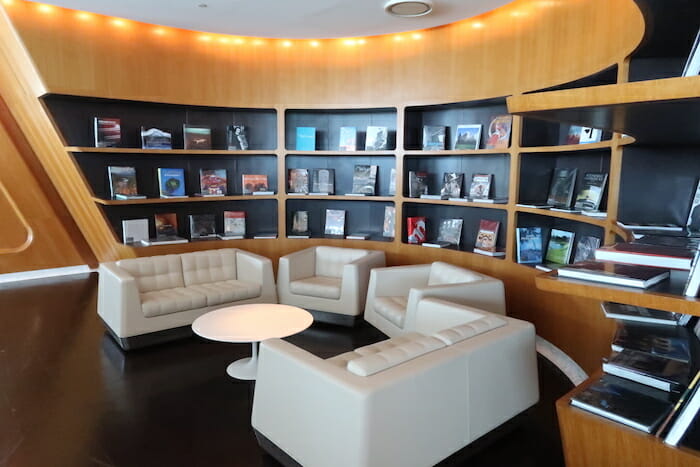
(152, 338)
(335, 318)
(271, 448)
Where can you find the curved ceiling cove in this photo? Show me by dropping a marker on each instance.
(300, 19)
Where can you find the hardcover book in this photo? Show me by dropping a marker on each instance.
(323, 181)
(499, 132)
(574, 135)
(480, 187)
(298, 181)
(236, 137)
(658, 372)
(529, 245)
(122, 183)
(468, 137)
(364, 179)
(625, 312)
(590, 135)
(254, 183)
(234, 224)
(300, 223)
(590, 194)
(672, 342)
(559, 247)
(416, 229)
(166, 225)
(682, 423)
(450, 231)
(202, 226)
(306, 138)
(348, 138)
(212, 182)
(154, 138)
(335, 222)
(377, 138)
(618, 274)
(433, 138)
(108, 132)
(392, 182)
(487, 235)
(562, 188)
(417, 184)
(692, 284)
(647, 255)
(134, 231)
(389, 227)
(196, 137)
(585, 248)
(171, 183)
(451, 185)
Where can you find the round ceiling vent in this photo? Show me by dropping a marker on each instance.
(408, 8)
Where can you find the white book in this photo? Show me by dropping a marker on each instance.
(164, 241)
(692, 65)
(134, 230)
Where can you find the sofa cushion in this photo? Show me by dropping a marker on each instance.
(392, 309)
(343, 359)
(205, 267)
(330, 260)
(221, 292)
(317, 286)
(154, 273)
(164, 302)
(445, 273)
(473, 328)
(376, 362)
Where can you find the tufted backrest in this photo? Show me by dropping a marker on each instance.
(330, 260)
(445, 273)
(473, 328)
(155, 272)
(403, 351)
(203, 267)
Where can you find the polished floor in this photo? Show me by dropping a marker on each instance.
(70, 397)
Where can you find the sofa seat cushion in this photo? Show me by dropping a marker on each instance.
(343, 359)
(445, 273)
(205, 267)
(218, 293)
(464, 331)
(379, 361)
(155, 272)
(317, 286)
(164, 302)
(392, 309)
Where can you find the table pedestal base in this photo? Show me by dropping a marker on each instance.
(245, 368)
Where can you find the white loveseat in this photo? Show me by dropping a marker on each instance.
(412, 400)
(140, 298)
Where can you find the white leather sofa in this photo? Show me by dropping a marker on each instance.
(138, 299)
(329, 282)
(412, 400)
(396, 295)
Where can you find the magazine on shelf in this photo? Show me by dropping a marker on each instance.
(348, 138)
(234, 224)
(433, 138)
(499, 132)
(658, 372)
(672, 342)
(585, 248)
(213, 182)
(591, 192)
(450, 231)
(298, 181)
(647, 255)
(202, 226)
(364, 179)
(155, 138)
(487, 235)
(196, 137)
(452, 185)
(529, 245)
(134, 231)
(335, 222)
(416, 229)
(300, 223)
(623, 311)
(108, 132)
(306, 138)
(376, 138)
(480, 187)
(468, 137)
(323, 181)
(561, 189)
(236, 137)
(122, 183)
(559, 247)
(417, 183)
(171, 183)
(389, 226)
(254, 183)
(617, 274)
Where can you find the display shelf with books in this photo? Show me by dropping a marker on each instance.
(544, 134)
(375, 129)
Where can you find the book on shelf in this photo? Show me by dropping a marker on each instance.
(234, 224)
(300, 223)
(499, 132)
(488, 200)
(585, 248)
(108, 132)
(559, 246)
(202, 226)
(335, 222)
(626, 402)
(213, 182)
(590, 135)
(416, 229)
(534, 205)
(671, 342)
(561, 189)
(432, 197)
(417, 183)
(692, 223)
(652, 370)
(529, 245)
(450, 231)
(646, 255)
(487, 235)
(166, 230)
(468, 137)
(573, 136)
(495, 253)
(452, 185)
(376, 138)
(122, 183)
(358, 236)
(681, 425)
(628, 275)
(236, 137)
(692, 284)
(265, 235)
(196, 137)
(298, 181)
(164, 241)
(348, 138)
(549, 267)
(134, 231)
(254, 183)
(596, 214)
(692, 64)
(591, 192)
(154, 138)
(639, 314)
(389, 226)
(171, 182)
(661, 227)
(306, 138)
(392, 182)
(480, 187)
(437, 244)
(364, 179)
(433, 138)
(323, 181)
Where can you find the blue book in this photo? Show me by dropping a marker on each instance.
(306, 138)
(529, 243)
(171, 183)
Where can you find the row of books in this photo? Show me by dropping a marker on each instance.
(479, 188)
(364, 181)
(562, 188)
(449, 234)
(530, 247)
(334, 225)
(376, 138)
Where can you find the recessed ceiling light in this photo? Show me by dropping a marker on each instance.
(408, 8)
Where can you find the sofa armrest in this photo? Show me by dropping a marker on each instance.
(397, 281)
(258, 269)
(356, 278)
(117, 297)
(433, 314)
(298, 265)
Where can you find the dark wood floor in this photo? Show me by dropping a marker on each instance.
(70, 397)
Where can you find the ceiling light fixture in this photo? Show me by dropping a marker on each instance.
(408, 8)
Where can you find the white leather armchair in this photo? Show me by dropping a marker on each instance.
(330, 282)
(396, 295)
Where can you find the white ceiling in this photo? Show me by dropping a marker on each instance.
(294, 19)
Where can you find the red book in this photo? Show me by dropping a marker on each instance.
(416, 229)
(646, 255)
(611, 273)
(487, 235)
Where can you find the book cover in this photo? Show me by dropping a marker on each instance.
(450, 231)
(559, 247)
(348, 138)
(376, 139)
(392, 182)
(617, 274)
(236, 137)
(252, 183)
(693, 221)
(487, 235)
(671, 342)
(335, 222)
(300, 223)
(692, 284)
(298, 180)
(234, 223)
(306, 138)
(591, 192)
(108, 132)
(323, 181)
(389, 226)
(625, 312)
(590, 135)
(171, 182)
(196, 137)
(134, 231)
(433, 138)
(212, 182)
(658, 372)
(416, 229)
(574, 135)
(561, 190)
(647, 255)
(585, 248)
(122, 182)
(529, 245)
(364, 179)
(499, 132)
(417, 184)
(684, 423)
(166, 225)
(468, 137)
(202, 226)
(452, 185)
(480, 187)
(154, 138)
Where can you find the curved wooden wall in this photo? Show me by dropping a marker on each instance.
(526, 45)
